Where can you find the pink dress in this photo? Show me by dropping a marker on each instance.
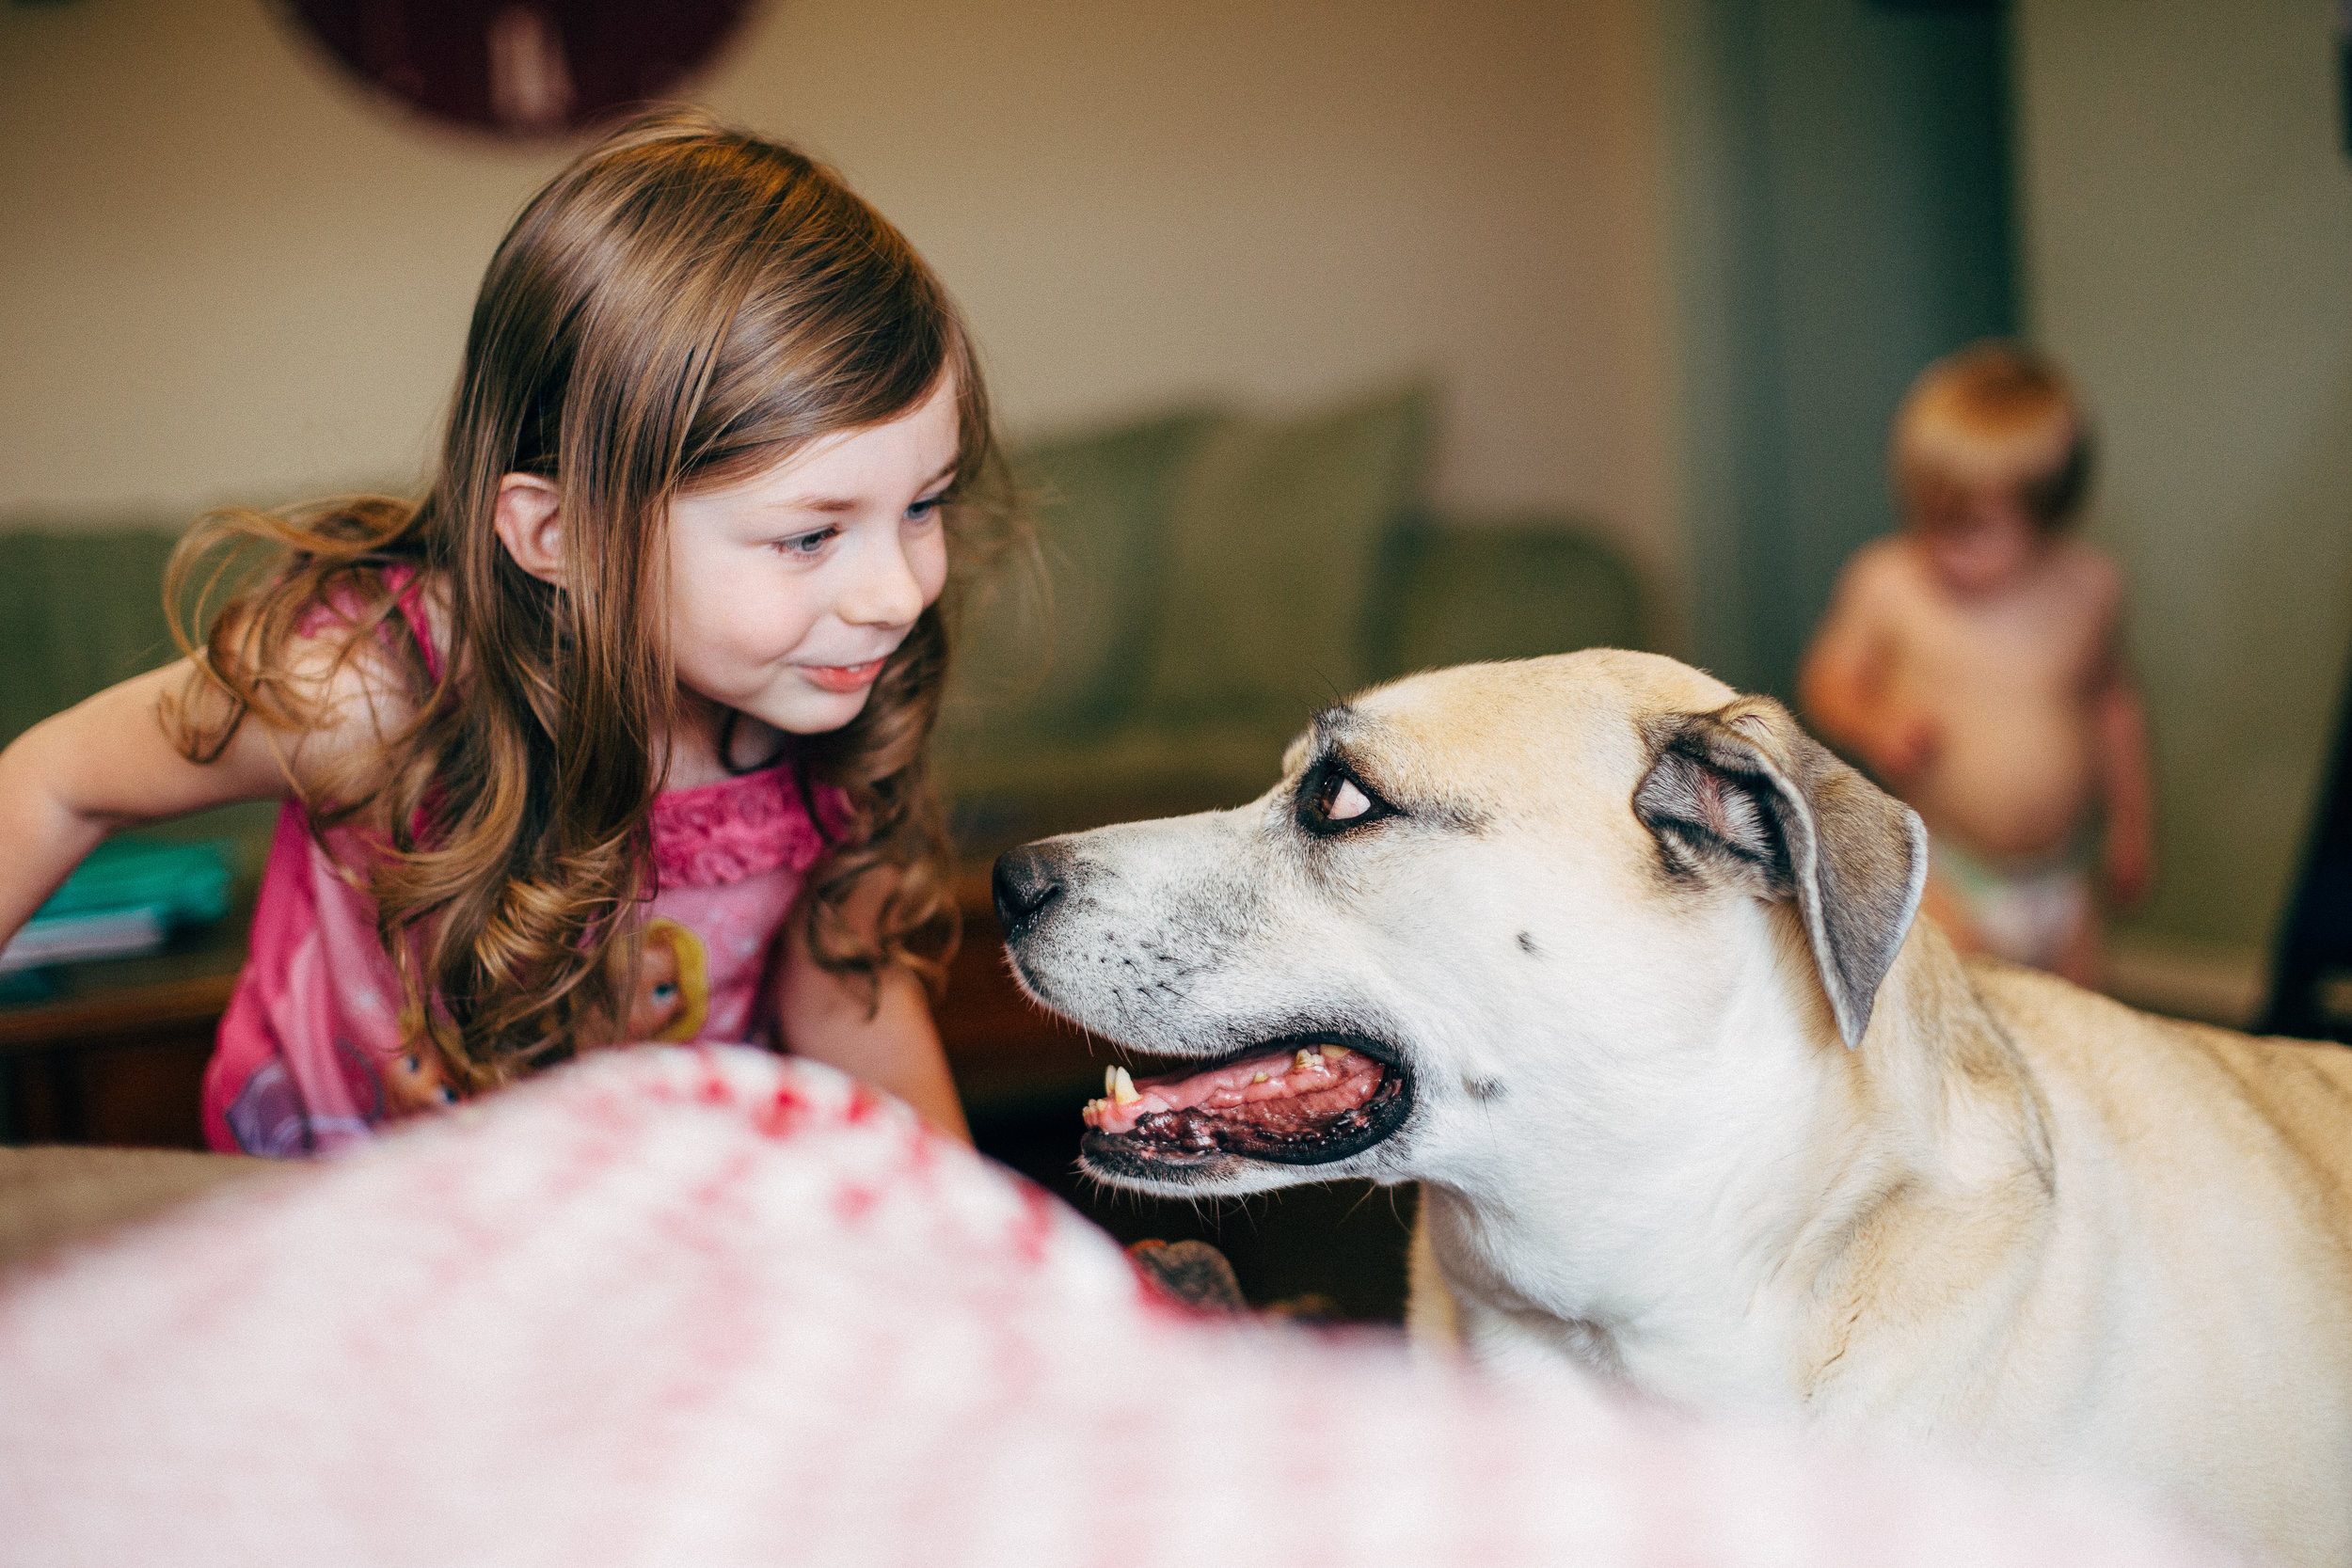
(314, 1049)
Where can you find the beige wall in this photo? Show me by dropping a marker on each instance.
(2188, 211)
(225, 273)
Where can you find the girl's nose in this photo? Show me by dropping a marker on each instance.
(882, 590)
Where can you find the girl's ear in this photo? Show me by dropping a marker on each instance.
(530, 523)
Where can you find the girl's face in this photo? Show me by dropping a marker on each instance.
(787, 590)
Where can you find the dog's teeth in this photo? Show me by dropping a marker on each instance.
(1257, 1078)
(1123, 1088)
(1110, 1080)
(1333, 1053)
(1304, 1060)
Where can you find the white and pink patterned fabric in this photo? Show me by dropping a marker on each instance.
(718, 1308)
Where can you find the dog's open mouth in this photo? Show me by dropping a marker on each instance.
(1304, 1100)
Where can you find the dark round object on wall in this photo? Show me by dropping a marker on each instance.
(520, 68)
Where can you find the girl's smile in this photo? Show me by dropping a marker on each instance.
(843, 677)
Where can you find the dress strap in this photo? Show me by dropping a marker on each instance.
(407, 586)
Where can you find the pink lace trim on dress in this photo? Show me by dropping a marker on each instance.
(723, 833)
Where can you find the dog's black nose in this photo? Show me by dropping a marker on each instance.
(1025, 884)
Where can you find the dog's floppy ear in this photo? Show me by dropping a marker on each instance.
(1744, 792)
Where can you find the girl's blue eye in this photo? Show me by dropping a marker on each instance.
(925, 507)
(807, 544)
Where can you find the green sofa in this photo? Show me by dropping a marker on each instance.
(1208, 579)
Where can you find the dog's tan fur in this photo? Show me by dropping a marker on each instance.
(1960, 1202)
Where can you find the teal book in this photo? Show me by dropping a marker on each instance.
(128, 897)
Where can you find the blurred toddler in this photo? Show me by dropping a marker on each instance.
(1973, 662)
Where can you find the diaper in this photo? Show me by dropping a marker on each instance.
(2024, 913)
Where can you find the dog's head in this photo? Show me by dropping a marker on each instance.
(1499, 896)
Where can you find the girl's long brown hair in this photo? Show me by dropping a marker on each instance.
(682, 306)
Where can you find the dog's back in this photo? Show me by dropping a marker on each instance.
(2284, 1105)
(2201, 1265)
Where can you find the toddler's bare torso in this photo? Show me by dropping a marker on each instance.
(2006, 678)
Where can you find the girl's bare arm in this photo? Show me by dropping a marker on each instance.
(895, 1047)
(110, 762)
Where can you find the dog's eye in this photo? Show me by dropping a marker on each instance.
(1335, 800)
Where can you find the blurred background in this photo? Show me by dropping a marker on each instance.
(1595, 311)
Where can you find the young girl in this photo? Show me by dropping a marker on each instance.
(620, 733)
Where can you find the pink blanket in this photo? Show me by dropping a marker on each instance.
(717, 1307)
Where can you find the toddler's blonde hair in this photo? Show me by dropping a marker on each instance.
(1994, 416)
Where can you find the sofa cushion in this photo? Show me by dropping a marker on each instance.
(1058, 656)
(1462, 589)
(78, 611)
(1272, 543)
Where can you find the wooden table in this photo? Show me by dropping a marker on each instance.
(116, 1053)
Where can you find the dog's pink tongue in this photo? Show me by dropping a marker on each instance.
(1272, 1075)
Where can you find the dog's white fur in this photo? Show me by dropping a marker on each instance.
(2010, 1216)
